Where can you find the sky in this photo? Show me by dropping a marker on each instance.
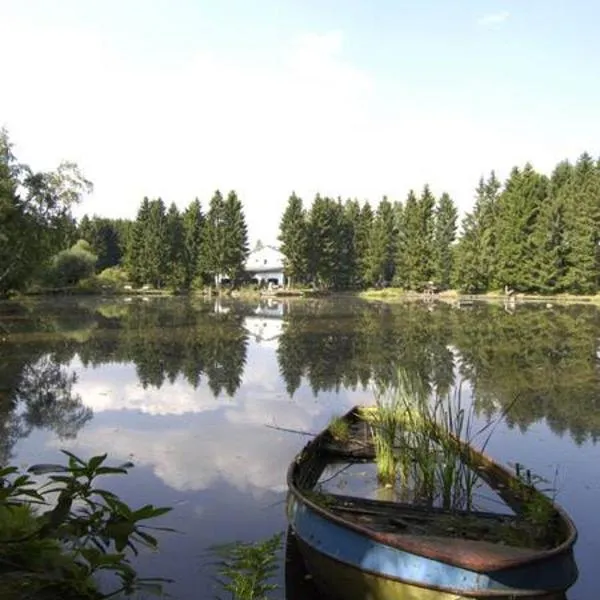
(350, 98)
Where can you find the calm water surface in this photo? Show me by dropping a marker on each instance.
(190, 392)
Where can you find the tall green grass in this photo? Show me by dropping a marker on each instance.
(417, 437)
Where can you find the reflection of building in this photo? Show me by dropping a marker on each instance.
(266, 325)
(266, 264)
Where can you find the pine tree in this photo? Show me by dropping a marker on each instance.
(156, 244)
(293, 235)
(425, 241)
(346, 268)
(352, 216)
(236, 237)
(213, 256)
(475, 255)
(363, 235)
(520, 202)
(323, 247)
(135, 257)
(382, 245)
(175, 276)
(103, 236)
(193, 225)
(445, 235)
(407, 251)
(582, 225)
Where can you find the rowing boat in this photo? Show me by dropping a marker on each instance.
(366, 549)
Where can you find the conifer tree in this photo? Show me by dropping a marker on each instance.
(382, 245)
(293, 235)
(445, 235)
(520, 202)
(175, 275)
(407, 252)
(425, 241)
(475, 256)
(236, 237)
(192, 225)
(363, 235)
(135, 257)
(156, 244)
(582, 222)
(213, 256)
(324, 250)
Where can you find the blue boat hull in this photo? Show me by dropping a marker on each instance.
(337, 554)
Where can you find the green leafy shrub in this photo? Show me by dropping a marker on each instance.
(70, 266)
(58, 552)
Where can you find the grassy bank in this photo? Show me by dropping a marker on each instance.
(453, 296)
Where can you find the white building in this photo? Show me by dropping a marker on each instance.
(266, 264)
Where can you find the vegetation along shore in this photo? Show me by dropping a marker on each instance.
(533, 235)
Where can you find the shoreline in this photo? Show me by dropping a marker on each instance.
(392, 295)
(387, 295)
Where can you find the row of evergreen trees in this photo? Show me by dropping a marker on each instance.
(345, 245)
(168, 248)
(533, 233)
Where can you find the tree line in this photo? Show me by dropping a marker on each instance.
(530, 233)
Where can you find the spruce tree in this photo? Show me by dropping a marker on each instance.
(363, 236)
(293, 235)
(213, 256)
(445, 235)
(323, 249)
(382, 245)
(425, 241)
(193, 225)
(520, 202)
(475, 255)
(135, 257)
(236, 237)
(407, 251)
(156, 244)
(175, 276)
(582, 227)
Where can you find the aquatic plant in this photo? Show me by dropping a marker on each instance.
(421, 437)
(84, 531)
(246, 569)
(388, 421)
(339, 429)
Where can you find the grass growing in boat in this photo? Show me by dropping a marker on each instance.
(392, 420)
(420, 437)
(339, 429)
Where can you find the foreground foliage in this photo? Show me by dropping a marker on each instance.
(245, 570)
(57, 537)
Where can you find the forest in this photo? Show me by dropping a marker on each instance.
(533, 233)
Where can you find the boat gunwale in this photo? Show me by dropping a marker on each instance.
(477, 565)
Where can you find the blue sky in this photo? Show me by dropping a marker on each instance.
(348, 97)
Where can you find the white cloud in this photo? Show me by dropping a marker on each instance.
(308, 120)
(494, 18)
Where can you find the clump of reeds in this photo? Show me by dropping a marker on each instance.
(388, 421)
(339, 428)
(422, 438)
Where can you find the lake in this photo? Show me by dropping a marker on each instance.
(198, 393)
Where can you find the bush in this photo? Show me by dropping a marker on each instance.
(70, 266)
(114, 275)
(58, 553)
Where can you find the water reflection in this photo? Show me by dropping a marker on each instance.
(186, 387)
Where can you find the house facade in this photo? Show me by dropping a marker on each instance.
(265, 265)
